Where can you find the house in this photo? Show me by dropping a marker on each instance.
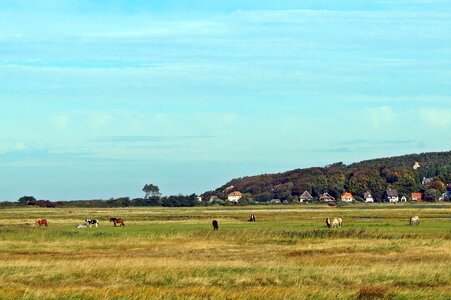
(446, 196)
(403, 199)
(368, 197)
(234, 196)
(416, 165)
(305, 197)
(199, 199)
(326, 198)
(426, 180)
(214, 198)
(392, 196)
(347, 197)
(416, 197)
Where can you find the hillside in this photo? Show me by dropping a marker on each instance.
(375, 175)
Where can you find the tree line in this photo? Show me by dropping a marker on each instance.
(374, 176)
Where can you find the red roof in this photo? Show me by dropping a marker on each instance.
(236, 193)
(416, 196)
(346, 195)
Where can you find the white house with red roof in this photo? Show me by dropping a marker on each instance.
(347, 197)
(234, 196)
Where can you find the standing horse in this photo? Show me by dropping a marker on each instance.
(42, 222)
(92, 222)
(414, 220)
(337, 222)
(215, 225)
(116, 222)
(252, 219)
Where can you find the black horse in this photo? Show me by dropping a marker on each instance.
(328, 222)
(215, 225)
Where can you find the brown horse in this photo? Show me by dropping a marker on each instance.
(215, 225)
(42, 222)
(116, 222)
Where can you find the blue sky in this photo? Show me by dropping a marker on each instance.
(98, 98)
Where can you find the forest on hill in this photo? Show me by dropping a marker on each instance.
(404, 173)
(428, 173)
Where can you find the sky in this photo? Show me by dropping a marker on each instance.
(98, 98)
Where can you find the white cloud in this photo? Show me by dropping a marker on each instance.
(381, 116)
(12, 146)
(435, 117)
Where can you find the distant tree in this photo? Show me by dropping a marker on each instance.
(432, 195)
(27, 200)
(263, 197)
(438, 185)
(151, 191)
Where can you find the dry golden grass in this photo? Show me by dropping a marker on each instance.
(174, 254)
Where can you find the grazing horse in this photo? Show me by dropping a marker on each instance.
(328, 222)
(116, 221)
(42, 222)
(215, 225)
(414, 220)
(92, 222)
(337, 222)
(252, 219)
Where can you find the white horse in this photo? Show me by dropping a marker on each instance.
(414, 220)
(337, 222)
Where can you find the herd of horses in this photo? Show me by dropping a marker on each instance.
(88, 223)
(335, 223)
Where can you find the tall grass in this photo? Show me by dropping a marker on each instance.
(174, 254)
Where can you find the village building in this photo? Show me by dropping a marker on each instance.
(403, 199)
(347, 197)
(426, 180)
(326, 198)
(234, 196)
(416, 165)
(214, 198)
(416, 197)
(446, 196)
(392, 196)
(368, 197)
(305, 197)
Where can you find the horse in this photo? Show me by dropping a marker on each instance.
(92, 222)
(414, 220)
(116, 221)
(252, 219)
(42, 222)
(337, 222)
(328, 223)
(215, 225)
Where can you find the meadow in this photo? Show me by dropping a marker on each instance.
(173, 253)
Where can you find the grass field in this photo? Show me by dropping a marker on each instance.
(173, 253)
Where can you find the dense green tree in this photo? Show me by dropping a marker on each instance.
(431, 195)
(151, 191)
(27, 200)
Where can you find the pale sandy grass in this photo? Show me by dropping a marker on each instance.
(151, 260)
